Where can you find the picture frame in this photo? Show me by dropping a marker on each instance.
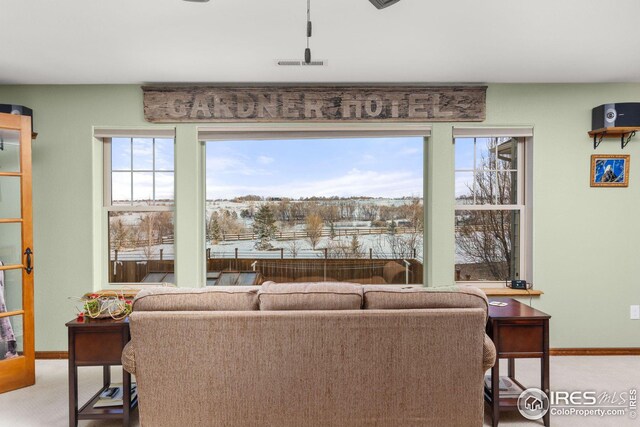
(610, 170)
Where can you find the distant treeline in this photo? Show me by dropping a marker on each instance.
(333, 210)
(254, 198)
(323, 213)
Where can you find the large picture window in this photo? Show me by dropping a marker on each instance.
(490, 208)
(333, 209)
(139, 206)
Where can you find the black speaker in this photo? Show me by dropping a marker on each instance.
(16, 109)
(622, 114)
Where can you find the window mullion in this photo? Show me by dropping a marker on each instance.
(131, 171)
(520, 172)
(153, 167)
(475, 201)
(106, 174)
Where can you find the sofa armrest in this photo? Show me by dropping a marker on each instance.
(488, 353)
(129, 358)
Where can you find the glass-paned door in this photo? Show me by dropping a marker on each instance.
(17, 355)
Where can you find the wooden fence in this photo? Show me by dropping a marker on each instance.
(326, 232)
(367, 271)
(135, 271)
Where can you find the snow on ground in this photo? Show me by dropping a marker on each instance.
(379, 244)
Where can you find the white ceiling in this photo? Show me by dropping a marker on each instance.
(479, 41)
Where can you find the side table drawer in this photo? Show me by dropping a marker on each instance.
(104, 347)
(520, 339)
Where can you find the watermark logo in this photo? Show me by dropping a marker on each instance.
(533, 403)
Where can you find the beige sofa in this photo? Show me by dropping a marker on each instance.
(309, 354)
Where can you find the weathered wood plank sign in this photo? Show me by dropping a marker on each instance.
(170, 104)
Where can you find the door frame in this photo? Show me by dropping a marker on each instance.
(19, 371)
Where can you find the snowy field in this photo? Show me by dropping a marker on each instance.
(367, 245)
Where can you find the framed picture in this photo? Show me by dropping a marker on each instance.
(610, 170)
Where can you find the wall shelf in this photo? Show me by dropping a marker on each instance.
(624, 133)
(508, 292)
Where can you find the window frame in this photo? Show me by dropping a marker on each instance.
(105, 138)
(524, 136)
(262, 131)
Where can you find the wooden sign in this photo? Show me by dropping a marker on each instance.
(170, 104)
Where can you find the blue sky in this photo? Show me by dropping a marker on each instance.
(145, 161)
(377, 167)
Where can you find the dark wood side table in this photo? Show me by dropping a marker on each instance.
(98, 342)
(518, 331)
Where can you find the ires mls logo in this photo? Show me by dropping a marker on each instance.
(534, 404)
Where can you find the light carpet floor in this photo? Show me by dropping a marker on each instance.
(46, 403)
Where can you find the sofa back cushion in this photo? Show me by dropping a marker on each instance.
(339, 368)
(214, 298)
(396, 297)
(310, 296)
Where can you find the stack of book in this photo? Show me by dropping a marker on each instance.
(113, 395)
(507, 387)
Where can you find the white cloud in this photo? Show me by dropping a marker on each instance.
(265, 160)
(233, 165)
(121, 186)
(368, 158)
(353, 183)
(411, 150)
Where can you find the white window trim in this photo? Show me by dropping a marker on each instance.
(103, 136)
(492, 132)
(525, 199)
(256, 131)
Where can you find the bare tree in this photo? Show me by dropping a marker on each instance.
(164, 224)
(228, 222)
(338, 249)
(294, 248)
(313, 227)
(355, 248)
(145, 233)
(283, 210)
(119, 233)
(414, 213)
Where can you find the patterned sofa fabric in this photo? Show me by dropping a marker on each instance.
(214, 298)
(310, 296)
(308, 354)
(398, 297)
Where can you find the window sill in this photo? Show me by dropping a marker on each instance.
(506, 292)
(490, 292)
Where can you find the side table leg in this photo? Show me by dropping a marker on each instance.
(73, 383)
(544, 362)
(106, 375)
(126, 398)
(495, 393)
(512, 368)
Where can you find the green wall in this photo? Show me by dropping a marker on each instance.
(584, 239)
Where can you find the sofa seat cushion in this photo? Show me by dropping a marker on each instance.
(213, 298)
(310, 296)
(397, 297)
